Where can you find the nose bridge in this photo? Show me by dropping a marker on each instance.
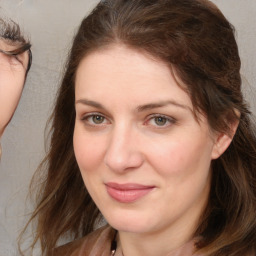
(123, 152)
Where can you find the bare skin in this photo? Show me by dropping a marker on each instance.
(12, 77)
(15, 60)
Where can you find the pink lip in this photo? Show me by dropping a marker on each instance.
(127, 193)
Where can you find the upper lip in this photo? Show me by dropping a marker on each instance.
(128, 186)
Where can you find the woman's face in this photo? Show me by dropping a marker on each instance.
(143, 157)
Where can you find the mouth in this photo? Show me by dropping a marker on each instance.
(128, 192)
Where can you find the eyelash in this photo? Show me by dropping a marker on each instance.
(167, 119)
(86, 118)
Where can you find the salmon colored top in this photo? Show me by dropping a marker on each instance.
(98, 243)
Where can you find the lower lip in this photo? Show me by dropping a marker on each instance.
(128, 196)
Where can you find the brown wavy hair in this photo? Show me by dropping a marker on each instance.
(198, 43)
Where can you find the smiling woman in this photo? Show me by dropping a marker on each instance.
(142, 153)
(151, 132)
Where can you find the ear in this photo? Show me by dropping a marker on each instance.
(223, 140)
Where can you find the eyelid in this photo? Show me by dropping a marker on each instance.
(86, 116)
(15, 53)
(169, 119)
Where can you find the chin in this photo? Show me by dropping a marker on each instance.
(128, 222)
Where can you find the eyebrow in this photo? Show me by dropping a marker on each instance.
(90, 103)
(140, 108)
(161, 104)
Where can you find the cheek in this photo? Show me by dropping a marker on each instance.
(88, 150)
(181, 157)
(184, 167)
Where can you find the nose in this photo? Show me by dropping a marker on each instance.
(123, 152)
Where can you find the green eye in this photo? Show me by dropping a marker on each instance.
(97, 119)
(160, 121)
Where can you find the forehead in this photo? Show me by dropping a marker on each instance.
(119, 71)
(122, 58)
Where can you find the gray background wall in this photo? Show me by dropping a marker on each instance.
(50, 24)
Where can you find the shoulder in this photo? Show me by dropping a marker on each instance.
(96, 243)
